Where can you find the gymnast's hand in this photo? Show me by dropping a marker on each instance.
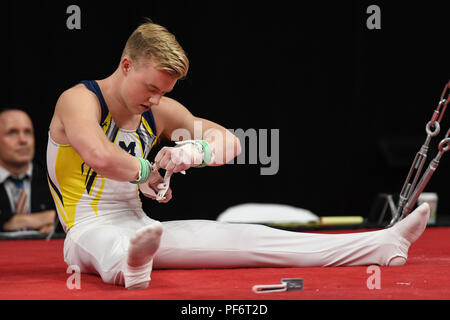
(152, 186)
(180, 158)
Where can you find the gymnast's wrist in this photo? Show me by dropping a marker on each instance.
(207, 153)
(200, 146)
(144, 171)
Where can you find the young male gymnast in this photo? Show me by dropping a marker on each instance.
(100, 135)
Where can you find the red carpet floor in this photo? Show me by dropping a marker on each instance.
(35, 270)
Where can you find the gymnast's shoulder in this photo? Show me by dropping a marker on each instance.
(78, 99)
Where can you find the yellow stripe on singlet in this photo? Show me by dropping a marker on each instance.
(72, 186)
(94, 203)
(107, 122)
(149, 129)
(140, 142)
(57, 200)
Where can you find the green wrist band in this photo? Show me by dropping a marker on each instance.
(144, 172)
(207, 153)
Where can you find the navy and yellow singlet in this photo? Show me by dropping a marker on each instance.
(79, 192)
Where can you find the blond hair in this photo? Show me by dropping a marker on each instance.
(153, 41)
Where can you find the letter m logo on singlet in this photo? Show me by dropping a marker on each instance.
(130, 148)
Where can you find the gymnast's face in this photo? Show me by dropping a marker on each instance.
(16, 139)
(143, 85)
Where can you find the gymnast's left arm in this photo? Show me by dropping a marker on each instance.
(175, 122)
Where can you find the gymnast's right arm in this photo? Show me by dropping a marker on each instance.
(76, 122)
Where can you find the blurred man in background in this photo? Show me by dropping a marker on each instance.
(25, 200)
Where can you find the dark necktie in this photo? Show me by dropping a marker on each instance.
(20, 196)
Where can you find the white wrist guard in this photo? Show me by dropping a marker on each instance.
(200, 146)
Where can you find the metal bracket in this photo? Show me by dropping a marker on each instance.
(287, 284)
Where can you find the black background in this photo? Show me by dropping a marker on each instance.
(350, 103)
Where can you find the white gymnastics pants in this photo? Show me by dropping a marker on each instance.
(101, 245)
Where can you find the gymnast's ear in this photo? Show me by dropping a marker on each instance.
(125, 65)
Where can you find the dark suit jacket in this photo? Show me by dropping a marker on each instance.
(41, 198)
